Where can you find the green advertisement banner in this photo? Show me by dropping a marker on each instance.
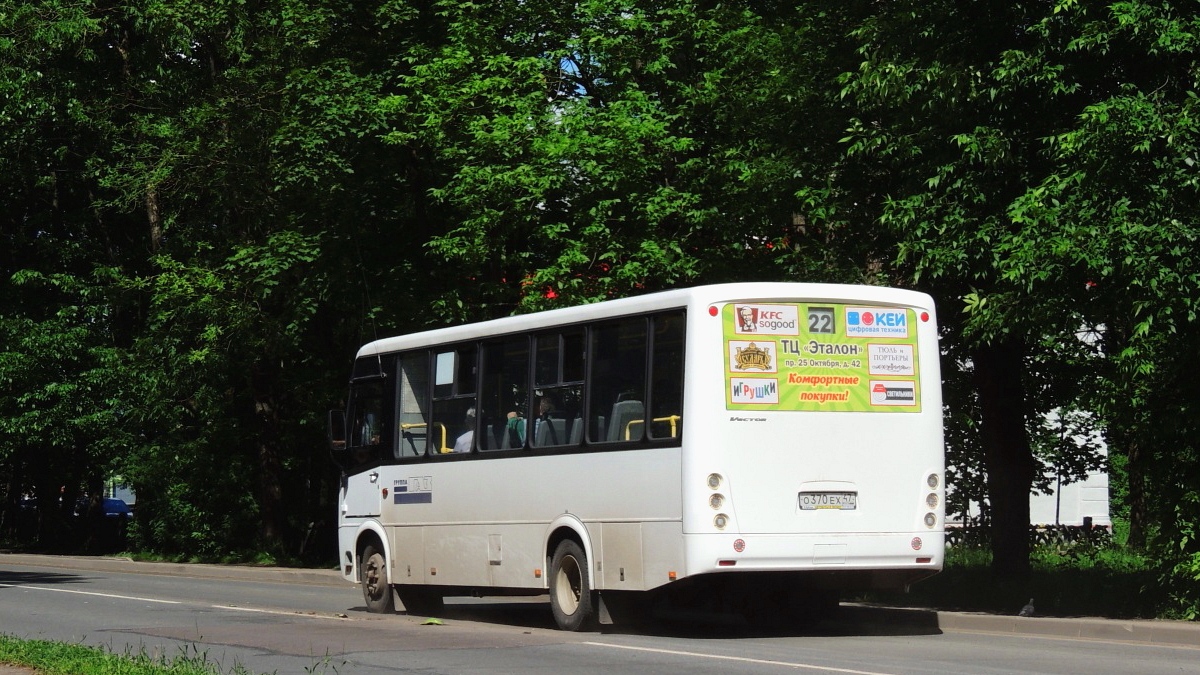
(820, 357)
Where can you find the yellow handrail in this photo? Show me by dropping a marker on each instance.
(422, 425)
(673, 419)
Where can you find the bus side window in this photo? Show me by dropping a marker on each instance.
(504, 393)
(413, 405)
(666, 376)
(455, 422)
(559, 363)
(617, 381)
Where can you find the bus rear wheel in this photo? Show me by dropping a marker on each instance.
(377, 593)
(570, 592)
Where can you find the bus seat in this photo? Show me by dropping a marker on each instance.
(576, 431)
(623, 413)
(506, 442)
(487, 440)
(551, 432)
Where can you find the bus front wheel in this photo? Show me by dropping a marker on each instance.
(377, 593)
(570, 591)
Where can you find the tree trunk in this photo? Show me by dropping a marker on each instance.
(152, 215)
(270, 468)
(270, 490)
(1136, 494)
(1007, 453)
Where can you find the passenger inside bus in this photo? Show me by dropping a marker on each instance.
(514, 431)
(548, 429)
(366, 441)
(463, 442)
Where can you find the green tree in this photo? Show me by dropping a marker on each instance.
(201, 154)
(1034, 159)
(1118, 215)
(61, 407)
(594, 150)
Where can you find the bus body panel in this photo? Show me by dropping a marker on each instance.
(443, 532)
(527, 489)
(768, 458)
(408, 555)
(360, 496)
(839, 558)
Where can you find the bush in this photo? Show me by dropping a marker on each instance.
(1071, 580)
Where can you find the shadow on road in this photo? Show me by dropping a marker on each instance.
(9, 579)
(848, 620)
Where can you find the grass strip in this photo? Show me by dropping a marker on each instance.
(57, 658)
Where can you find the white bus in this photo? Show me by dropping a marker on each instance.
(754, 446)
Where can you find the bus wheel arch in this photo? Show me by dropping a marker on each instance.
(573, 599)
(373, 574)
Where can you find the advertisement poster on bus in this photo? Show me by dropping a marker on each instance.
(820, 357)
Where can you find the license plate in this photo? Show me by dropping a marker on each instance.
(838, 501)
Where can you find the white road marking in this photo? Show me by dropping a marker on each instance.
(280, 612)
(99, 595)
(740, 659)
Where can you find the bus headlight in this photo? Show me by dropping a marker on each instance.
(716, 501)
(714, 481)
(720, 521)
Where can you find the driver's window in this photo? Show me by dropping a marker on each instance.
(368, 427)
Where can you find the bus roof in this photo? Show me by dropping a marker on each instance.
(651, 302)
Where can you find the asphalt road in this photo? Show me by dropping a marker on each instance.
(290, 621)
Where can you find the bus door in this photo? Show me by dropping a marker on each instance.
(369, 439)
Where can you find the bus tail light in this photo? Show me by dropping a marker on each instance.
(714, 481)
(931, 499)
(720, 521)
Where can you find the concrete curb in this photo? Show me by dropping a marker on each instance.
(1156, 632)
(1175, 633)
(313, 577)
(1172, 633)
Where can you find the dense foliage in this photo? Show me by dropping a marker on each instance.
(208, 206)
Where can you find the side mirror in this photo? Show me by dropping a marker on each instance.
(336, 434)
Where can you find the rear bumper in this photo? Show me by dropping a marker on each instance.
(875, 560)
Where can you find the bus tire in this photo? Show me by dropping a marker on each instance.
(420, 601)
(377, 593)
(570, 592)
